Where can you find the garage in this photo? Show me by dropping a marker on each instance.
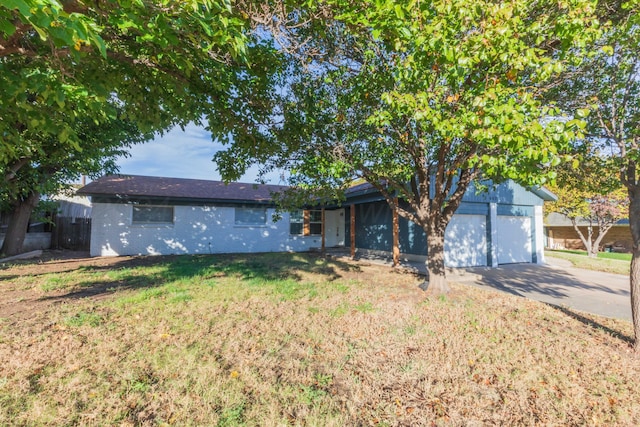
(465, 241)
(514, 239)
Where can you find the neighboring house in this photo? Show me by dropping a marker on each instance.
(150, 215)
(72, 222)
(73, 206)
(38, 231)
(561, 234)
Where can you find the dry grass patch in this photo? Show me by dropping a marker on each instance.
(290, 339)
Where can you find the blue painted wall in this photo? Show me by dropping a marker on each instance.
(515, 210)
(374, 217)
(507, 192)
(413, 239)
(374, 226)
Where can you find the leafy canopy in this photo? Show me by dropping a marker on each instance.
(161, 63)
(401, 93)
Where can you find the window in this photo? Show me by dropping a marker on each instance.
(152, 215)
(305, 223)
(296, 221)
(315, 223)
(251, 216)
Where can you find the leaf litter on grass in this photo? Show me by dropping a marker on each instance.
(316, 341)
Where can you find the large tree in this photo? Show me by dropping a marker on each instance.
(51, 170)
(419, 99)
(155, 63)
(608, 85)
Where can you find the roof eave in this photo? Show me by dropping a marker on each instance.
(544, 193)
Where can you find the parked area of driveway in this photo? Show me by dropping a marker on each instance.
(557, 283)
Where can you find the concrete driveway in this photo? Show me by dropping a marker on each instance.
(557, 283)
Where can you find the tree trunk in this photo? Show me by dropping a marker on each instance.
(435, 262)
(585, 242)
(634, 277)
(18, 224)
(602, 231)
(593, 253)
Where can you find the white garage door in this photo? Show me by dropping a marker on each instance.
(514, 239)
(465, 241)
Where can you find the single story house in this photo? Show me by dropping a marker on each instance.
(151, 215)
(560, 234)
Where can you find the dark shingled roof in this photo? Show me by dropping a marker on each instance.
(555, 219)
(133, 186)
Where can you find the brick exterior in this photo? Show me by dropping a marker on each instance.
(619, 238)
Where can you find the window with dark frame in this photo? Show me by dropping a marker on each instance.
(305, 223)
(296, 223)
(315, 223)
(152, 215)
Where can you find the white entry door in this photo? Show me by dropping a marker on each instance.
(514, 239)
(334, 228)
(465, 241)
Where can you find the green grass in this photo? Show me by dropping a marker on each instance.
(83, 318)
(606, 261)
(55, 282)
(295, 339)
(601, 255)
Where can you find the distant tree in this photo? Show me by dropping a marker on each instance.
(589, 195)
(596, 212)
(419, 99)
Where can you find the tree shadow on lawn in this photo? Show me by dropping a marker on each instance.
(523, 279)
(130, 274)
(592, 323)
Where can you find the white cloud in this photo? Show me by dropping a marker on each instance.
(181, 154)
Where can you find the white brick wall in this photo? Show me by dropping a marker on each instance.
(196, 229)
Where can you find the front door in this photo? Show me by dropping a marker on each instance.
(334, 228)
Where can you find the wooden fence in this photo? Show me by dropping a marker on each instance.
(71, 233)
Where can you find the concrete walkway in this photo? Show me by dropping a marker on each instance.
(555, 282)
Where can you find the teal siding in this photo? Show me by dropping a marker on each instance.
(374, 226)
(413, 239)
(467, 208)
(374, 218)
(515, 210)
(507, 192)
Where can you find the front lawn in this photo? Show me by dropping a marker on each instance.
(607, 261)
(296, 339)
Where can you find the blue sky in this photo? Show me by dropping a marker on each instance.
(181, 154)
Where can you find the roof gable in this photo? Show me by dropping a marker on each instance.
(506, 192)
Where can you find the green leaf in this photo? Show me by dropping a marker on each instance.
(7, 27)
(20, 5)
(582, 112)
(607, 50)
(399, 11)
